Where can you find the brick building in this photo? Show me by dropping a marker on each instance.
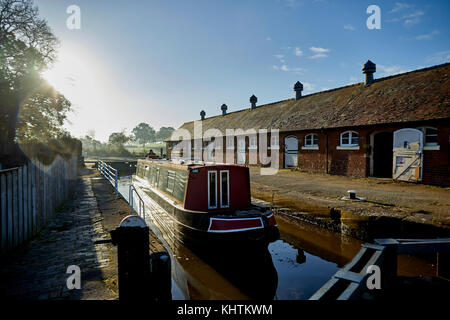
(394, 127)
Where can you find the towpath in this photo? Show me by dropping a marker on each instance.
(37, 270)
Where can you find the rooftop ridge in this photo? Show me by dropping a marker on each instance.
(331, 90)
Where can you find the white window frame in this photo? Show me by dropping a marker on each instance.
(228, 188)
(311, 146)
(429, 145)
(230, 143)
(252, 146)
(209, 195)
(349, 145)
(274, 145)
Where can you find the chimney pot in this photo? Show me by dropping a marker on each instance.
(253, 101)
(202, 114)
(369, 68)
(298, 88)
(224, 109)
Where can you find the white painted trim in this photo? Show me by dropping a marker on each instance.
(252, 148)
(316, 147)
(347, 147)
(235, 230)
(274, 148)
(435, 147)
(228, 188)
(209, 206)
(350, 138)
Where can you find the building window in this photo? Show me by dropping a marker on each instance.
(230, 142)
(224, 189)
(212, 189)
(218, 143)
(349, 140)
(430, 137)
(274, 142)
(253, 143)
(311, 140)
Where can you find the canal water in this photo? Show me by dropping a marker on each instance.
(293, 267)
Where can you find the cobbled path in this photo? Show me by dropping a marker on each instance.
(37, 270)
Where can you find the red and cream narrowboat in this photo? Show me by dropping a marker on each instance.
(204, 204)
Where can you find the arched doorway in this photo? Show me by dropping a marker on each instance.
(382, 154)
(290, 152)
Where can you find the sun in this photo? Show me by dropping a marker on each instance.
(64, 73)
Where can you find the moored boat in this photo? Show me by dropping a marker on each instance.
(205, 204)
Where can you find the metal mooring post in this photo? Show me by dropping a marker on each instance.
(160, 276)
(132, 240)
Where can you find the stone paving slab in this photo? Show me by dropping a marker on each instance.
(37, 270)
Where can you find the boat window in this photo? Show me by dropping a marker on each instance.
(170, 180)
(212, 189)
(224, 189)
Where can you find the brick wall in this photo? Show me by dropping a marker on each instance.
(357, 163)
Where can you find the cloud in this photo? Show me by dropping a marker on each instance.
(279, 56)
(308, 86)
(427, 36)
(410, 19)
(269, 39)
(319, 52)
(285, 68)
(413, 18)
(400, 6)
(349, 27)
(298, 52)
(391, 70)
(439, 57)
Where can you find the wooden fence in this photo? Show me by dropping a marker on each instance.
(30, 196)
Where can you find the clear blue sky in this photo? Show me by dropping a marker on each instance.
(161, 62)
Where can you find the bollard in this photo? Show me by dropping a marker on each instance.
(132, 240)
(352, 194)
(160, 276)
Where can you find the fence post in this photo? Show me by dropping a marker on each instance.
(3, 211)
(9, 180)
(116, 176)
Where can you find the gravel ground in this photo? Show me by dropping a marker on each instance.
(318, 193)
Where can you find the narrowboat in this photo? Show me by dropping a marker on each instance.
(204, 204)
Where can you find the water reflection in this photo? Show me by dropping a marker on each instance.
(293, 267)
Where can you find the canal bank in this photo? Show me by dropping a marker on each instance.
(293, 267)
(390, 209)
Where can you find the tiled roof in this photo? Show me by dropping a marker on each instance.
(413, 96)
